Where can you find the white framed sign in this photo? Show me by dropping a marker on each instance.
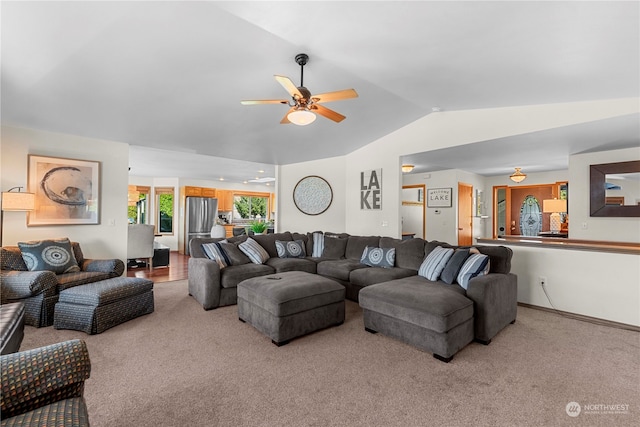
(439, 197)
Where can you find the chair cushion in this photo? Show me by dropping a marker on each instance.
(49, 255)
(69, 280)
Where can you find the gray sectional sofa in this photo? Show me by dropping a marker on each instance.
(396, 301)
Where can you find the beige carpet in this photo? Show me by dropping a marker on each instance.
(183, 366)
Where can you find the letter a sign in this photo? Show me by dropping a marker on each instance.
(371, 189)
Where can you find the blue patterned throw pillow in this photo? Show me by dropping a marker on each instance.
(290, 249)
(214, 252)
(378, 257)
(50, 255)
(434, 263)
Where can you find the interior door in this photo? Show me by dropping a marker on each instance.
(465, 214)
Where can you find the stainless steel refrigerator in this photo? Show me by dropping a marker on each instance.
(200, 216)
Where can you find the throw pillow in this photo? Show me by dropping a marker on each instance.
(214, 252)
(233, 252)
(475, 265)
(454, 265)
(434, 263)
(290, 249)
(318, 244)
(52, 255)
(334, 247)
(254, 251)
(378, 257)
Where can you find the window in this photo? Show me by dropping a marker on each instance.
(249, 207)
(164, 204)
(138, 204)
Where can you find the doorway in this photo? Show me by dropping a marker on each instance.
(465, 214)
(413, 211)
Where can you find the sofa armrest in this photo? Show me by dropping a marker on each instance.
(495, 298)
(204, 282)
(115, 267)
(34, 378)
(25, 284)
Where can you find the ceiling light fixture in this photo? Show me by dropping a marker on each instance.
(518, 176)
(407, 168)
(301, 116)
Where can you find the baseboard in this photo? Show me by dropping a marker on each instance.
(583, 318)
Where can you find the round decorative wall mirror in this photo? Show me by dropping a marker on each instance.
(312, 195)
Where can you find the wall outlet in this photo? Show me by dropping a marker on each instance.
(542, 280)
(385, 223)
(585, 225)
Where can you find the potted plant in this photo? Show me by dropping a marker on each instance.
(258, 227)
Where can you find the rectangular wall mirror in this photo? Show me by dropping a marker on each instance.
(615, 189)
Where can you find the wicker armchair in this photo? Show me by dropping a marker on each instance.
(39, 290)
(45, 386)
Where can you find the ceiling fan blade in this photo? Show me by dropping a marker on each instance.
(288, 85)
(285, 119)
(335, 96)
(265, 101)
(329, 114)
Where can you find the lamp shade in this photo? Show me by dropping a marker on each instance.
(301, 117)
(518, 176)
(15, 201)
(554, 206)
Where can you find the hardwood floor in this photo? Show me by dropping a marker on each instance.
(177, 270)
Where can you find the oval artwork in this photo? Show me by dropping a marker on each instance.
(530, 217)
(312, 195)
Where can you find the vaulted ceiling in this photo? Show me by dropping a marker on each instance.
(169, 76)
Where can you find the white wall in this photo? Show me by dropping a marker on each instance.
(289, 218)
(581, 224)
(597, 284)
(97, 241)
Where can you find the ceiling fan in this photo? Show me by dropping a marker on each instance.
(303, 104)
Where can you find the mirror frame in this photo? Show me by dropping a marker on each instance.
(597, 189)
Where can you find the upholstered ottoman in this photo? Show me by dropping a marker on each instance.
(96, 307)
(429, 316)
(291, 304)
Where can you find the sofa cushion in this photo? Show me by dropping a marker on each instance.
(427, 304)
(499, 256)
(434, 263)
(291, 249)
(356, 245)
(315, 244)
(334, 247)
(252, 249)
(268, 241)
(292, 264)
(370, 276)
(11, 259)
(378, 257)
(409, 253)
(234, 254)
(70, 280)
(49, 255)
(234, 274)
(475, 265)
(339, 268)
(455, 263)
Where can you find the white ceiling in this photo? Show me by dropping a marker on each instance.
(165, 76)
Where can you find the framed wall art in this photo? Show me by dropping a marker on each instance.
(439, 197)
(312, 195)
(67, 191)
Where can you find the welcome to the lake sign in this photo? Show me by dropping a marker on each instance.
(371, 189)
(439, 197)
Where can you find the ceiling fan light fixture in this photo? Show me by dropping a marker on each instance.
(518, 176)
(301, 117)
(407, 168)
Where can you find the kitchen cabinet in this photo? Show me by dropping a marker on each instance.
(225, 200)
(199, 192)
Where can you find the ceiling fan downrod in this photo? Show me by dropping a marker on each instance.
(301, 60)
